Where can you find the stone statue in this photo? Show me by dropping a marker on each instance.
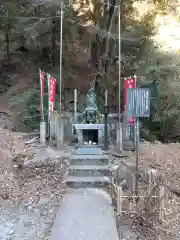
(91, 113)
(91, 99)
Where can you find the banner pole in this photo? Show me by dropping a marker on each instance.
(41, 97)
(134, 125)
(120, 126)
(106, 121)
(75, 105)
(42, 122)
(60, 60)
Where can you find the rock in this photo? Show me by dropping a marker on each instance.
(34, 140)
(123, 177)
(43, 201)
(19, 158)
(44, 213)
(30, 208)
(11, 232)
(50, 211)
(4, 195)
(124, 185)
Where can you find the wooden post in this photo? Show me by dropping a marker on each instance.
(119, 200)
(119, 138)
(161, 207)
(149, 181)
(112, 186)
(133, 191)
(75, 105)
(60, 134)
(113, 181)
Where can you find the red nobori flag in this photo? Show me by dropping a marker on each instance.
(129, 82)
(52, 93)
(42, 79)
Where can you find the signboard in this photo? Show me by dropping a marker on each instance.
(138, 102)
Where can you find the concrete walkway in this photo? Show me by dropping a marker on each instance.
(85, 214)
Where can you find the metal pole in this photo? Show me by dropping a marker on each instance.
(106, 97)
(75, 105)
(106, 121)
(136, 146)
(60, 60)
(120, 128)
(70, 3)
(137, 152)
(134, 126)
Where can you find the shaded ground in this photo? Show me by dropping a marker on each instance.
(32, 193)
(165, 158)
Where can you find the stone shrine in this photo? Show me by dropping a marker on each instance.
(89, 127)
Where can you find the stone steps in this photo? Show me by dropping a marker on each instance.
(88, 151)
(89, 160)
(88, 145)
(88, 170)
(87, 182)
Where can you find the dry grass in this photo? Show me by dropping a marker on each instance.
(18, 180)
(9, 144)
(165, 158)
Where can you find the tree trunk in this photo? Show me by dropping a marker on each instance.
(8, 44)
(7, 35)
(53, 42)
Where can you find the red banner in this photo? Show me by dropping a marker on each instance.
(52, 93)
(42, 77)
(129, 82)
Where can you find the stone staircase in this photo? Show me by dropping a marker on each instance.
(88, 168)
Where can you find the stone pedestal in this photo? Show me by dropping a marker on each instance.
(101, 136)
(80, 127)
(119, 139)
(43, 133)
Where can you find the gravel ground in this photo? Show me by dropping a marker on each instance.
(25, 221)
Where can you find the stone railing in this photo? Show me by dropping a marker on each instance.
(60, 128)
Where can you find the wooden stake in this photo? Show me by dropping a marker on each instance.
(119, 200)
(161, 208)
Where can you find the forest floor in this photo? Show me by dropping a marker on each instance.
(165, 159)
(19, 83)
(32, 186)
(31, 193)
